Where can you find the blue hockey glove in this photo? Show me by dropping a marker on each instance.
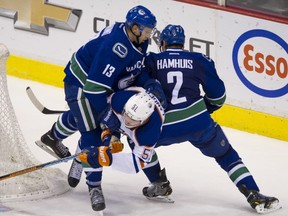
(153, 86)
(108, 120)
(210, 107)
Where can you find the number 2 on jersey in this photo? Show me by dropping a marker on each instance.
(177, 78)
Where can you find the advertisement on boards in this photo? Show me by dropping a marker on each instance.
(252, 57)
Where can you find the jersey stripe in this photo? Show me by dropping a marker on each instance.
(78, 72)
(179, 115)
(86, 111)
(217, 101)
(96, 88)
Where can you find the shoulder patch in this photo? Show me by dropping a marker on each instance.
(120, 50)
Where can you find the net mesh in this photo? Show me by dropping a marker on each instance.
(15, 154)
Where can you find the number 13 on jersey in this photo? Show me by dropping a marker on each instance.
(109, 70)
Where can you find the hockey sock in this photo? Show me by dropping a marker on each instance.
(65, 126)
(236, 169)
(93, 178)
(153, 169)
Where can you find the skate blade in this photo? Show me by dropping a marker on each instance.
(164, 199)
(273, 207)
(46, 148)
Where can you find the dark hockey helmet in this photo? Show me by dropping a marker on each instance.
(172, 34)
(141, 16)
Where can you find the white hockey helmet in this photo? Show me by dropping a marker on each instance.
(139, 107)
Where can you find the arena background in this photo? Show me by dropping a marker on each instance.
(250, 50)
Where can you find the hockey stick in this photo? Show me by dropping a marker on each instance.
(38, 167)
(39, 105)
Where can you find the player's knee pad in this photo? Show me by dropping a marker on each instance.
(229, 159)
(216, 145)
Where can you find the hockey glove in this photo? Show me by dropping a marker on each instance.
(153, 86)
(112, 141)
(102, 155)
(115, 145)
(210, 107)
(97, 157)
(108, 120)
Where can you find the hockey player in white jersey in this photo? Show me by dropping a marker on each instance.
(139, 115)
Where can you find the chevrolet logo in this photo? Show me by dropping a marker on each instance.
(38, 15)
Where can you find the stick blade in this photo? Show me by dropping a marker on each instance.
(39, 105)
(34, 100)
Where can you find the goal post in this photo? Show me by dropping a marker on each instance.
(16, 155)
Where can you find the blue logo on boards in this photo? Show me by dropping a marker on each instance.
(260, 63)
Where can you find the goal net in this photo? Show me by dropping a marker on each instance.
(15, 154)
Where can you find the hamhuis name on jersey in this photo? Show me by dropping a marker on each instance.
(174, 63)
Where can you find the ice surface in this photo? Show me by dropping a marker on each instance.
(200, 187)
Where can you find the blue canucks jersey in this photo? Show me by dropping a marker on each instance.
(107, 63)
(182, 74)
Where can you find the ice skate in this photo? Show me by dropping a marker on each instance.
(75, 173)
(261, 203)
(97, 198)
(159, 190)
(53, 146)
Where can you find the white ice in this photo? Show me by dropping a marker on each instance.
(200, 186)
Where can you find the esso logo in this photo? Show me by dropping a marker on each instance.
(260, 59)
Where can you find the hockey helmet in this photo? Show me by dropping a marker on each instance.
(172, 34)
(141, 16)
(139, 107)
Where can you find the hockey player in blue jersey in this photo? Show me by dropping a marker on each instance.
(110, 61)
(187, 117)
